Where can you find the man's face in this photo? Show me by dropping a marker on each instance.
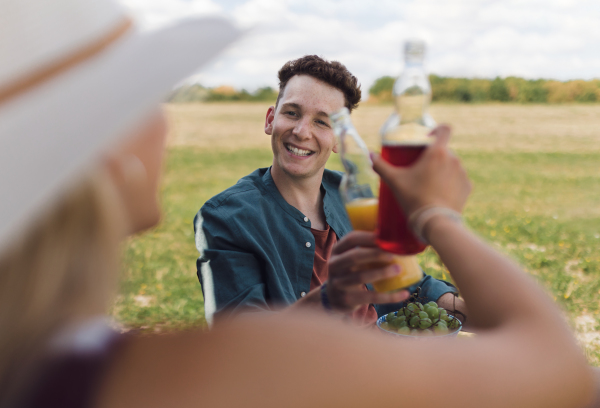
(301, 134)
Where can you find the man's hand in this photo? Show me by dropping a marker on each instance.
(451, 302)
(355, 261)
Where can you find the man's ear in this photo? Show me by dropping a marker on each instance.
(335, 146)
(269, 120)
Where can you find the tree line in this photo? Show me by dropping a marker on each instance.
(510, 89)
(199, 93)
(444, 89)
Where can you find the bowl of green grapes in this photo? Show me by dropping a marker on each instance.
(420, 320)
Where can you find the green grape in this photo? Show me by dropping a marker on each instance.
(401, 318)
(445, 317)
(432, 312)
(423, 315)
(425, 323)
(419, 305)
(413, 308)
(442, 311)
(454, 324)
(389, 317)
(399, 323)
(432, 304)
(404, 330)
(414, 332)
(427, 332)
(414, 321)
(440, 328)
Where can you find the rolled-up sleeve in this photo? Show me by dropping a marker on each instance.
(230, 275)
(431, 289)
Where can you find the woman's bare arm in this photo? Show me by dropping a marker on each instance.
(526, 357)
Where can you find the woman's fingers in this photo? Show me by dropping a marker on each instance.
(442, 135)
(389, 173)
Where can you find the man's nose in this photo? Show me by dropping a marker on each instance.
(302, 129)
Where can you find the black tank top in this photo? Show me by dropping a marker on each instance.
(70, 376)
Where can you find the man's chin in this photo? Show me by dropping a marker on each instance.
(300, 173)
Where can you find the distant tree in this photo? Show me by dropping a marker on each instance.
(462, 93)
(265, 94)
(499, 90)
(382, 88)
(189, 93)
(587, 96)
(534, 91)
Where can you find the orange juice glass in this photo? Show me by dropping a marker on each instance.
(363, 216)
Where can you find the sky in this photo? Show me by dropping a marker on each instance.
(555, 39)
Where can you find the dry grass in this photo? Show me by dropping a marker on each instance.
(489, 127)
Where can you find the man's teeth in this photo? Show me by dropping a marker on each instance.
(298, 152)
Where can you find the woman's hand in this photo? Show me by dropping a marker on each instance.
(355, 261)
(436, 179)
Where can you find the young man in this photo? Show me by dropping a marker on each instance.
(265, 243)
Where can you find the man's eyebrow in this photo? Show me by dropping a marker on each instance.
(290, 105)
(297, 106)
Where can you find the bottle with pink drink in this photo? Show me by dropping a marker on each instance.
(404, 137)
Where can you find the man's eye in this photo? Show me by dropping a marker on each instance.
(320, 122)
(291, 113)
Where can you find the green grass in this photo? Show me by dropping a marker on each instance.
(159, 268)
(539, 208)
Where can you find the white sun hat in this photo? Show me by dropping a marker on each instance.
(76, 75)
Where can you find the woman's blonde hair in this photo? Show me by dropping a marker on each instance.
(63, 269)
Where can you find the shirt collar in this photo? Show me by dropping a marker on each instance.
(271, 188)
(335, 213)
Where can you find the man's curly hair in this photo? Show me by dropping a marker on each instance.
(331, 72)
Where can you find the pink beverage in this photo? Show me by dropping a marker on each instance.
(394, 234)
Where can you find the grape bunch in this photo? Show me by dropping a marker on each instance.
(417, 319)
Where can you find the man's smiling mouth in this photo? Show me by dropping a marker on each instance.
(296, 151)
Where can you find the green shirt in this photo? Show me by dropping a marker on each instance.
(257, 251)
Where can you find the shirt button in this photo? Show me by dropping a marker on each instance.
(308, 244)
(305, 219)
(303, 294)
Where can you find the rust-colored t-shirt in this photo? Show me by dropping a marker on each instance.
(324, 241)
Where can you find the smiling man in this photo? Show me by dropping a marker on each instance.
(266, 242)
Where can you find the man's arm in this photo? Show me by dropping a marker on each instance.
(230, 275)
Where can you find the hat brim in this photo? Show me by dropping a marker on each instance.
(50, 133)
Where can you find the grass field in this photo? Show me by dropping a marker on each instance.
(536, 195)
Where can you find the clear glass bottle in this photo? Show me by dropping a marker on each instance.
(359, 190)
(359, 187)
(410, 122)
(404, 137)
